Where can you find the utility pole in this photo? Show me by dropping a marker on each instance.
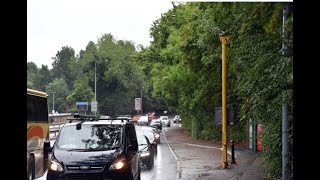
(285, 107)
(95, 84)
(224, 41)
(53, 102)
(141, 101)
(95, 81)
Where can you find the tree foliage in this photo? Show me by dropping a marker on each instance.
(32, 70)
(61, 63)
(40, 77)
(184, 61)
(59, 89)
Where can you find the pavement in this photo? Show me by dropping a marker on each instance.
(202, 159)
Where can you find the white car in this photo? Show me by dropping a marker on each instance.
(177, 118)
(143, 120)
(105, 117)
(165, 121)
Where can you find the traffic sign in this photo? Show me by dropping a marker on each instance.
(82, 106)
(137, 104)
(94, 105)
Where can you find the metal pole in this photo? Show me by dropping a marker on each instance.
(254, 128)
(141, 101)
(284, 19)
(224, 40)
(233, 159)
(285, 143)
(53, 102)
(95, 81)
(95, 84)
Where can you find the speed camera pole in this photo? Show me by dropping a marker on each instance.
(224, 41)
(95, 85)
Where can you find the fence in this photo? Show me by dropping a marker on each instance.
(54, 130)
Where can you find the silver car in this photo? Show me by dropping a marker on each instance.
(143, 120)
(177, 118)
(165, 121)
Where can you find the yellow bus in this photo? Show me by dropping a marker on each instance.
(38, 144)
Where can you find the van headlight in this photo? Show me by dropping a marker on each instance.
(118, 164)
(55, 166)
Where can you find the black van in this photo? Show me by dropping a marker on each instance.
(99, 149)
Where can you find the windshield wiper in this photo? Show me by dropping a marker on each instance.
(98, 149)
(143, 144)
(77, 150)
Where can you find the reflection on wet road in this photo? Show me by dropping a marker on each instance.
(165, 165)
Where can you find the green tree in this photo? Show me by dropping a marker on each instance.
(82, 93)
(183, 66)
(60, 89)
(118, 78)
(32, 70)
(42, 78)
(60, 65)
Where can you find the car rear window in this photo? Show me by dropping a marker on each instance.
(141, 139)
(143, 118)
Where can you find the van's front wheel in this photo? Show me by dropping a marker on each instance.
(139, 175)
(31, 168)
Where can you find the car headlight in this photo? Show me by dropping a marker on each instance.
(145, 153)
(118, 164)
(55, 166)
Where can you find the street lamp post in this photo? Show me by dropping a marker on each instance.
(141, 101)
(95, 84)
(95, 81)
(95, 87)
(224, 38)
(53, 102)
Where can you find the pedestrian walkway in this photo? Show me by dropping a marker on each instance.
(200, 159)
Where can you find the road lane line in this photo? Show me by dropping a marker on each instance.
(228, 151)
(201, 146)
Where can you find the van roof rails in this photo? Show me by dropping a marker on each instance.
(81, 117)
(117, 119)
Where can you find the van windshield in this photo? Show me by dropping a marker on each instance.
(90, 137)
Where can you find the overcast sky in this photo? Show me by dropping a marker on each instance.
(52, 24)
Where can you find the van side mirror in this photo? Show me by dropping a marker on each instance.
(153, 143)
(47, 148)
(133, 146)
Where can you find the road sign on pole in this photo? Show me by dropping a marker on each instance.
(94, 106)
(82, 106)
(137, 104)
